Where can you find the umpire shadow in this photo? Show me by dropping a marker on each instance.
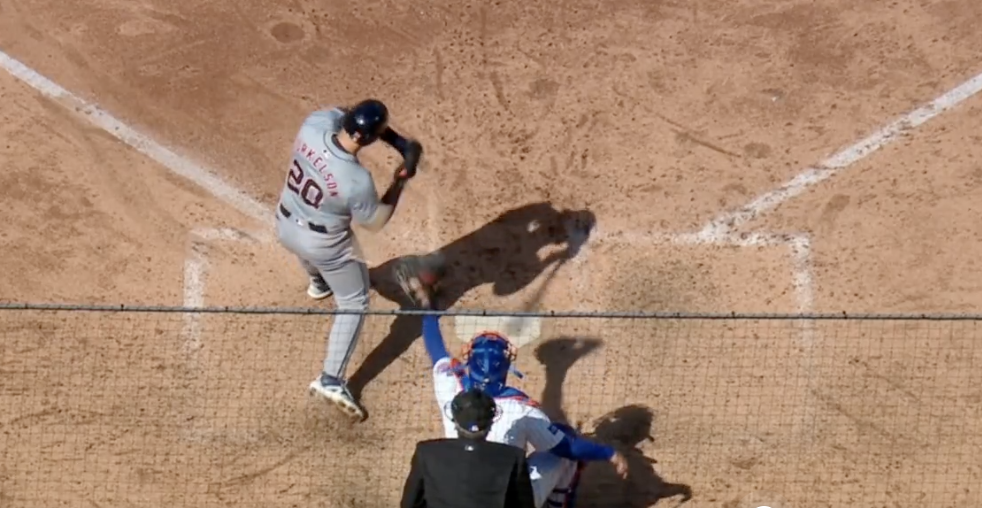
(626, 429)
(503, 253)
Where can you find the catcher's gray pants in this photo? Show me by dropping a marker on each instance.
(347, 277)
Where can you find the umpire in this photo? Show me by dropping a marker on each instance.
(469, 472)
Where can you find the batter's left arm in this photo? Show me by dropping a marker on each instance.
(410, 149)
(394, 139)
(381, 210)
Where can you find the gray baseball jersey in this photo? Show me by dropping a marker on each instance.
(328, 186)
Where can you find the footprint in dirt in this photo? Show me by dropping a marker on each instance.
(286, 32)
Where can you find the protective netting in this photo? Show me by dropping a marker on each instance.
(178, 409)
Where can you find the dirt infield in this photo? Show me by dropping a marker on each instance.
(654, 116)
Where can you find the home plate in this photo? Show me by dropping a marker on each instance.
(520, 331)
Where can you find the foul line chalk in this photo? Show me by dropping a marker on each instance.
(196, 263)
(167, 158)
(833, 165)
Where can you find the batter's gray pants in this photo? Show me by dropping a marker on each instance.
(347, 277)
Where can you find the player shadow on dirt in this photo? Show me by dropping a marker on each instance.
(557, 356)
(625, 428)
(503, 252)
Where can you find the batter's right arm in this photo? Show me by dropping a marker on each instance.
(367, 209)
(386, 207)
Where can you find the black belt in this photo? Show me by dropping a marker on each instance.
(313, 227)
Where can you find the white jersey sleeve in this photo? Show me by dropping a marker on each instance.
(446, 386)
(539, 430)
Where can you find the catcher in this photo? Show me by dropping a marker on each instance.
(560, 453)
(326, 190)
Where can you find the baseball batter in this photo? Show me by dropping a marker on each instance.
(327, 189)
(559, 453)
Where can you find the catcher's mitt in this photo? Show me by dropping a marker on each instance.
(419, 277)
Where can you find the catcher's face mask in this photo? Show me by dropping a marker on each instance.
(489, 358)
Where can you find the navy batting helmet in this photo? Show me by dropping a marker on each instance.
(366, 121)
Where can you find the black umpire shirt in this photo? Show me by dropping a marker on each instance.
(468, 473)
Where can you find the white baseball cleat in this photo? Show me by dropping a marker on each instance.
(336, 391)
(319, 290)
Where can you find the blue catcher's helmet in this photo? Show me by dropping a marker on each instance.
(487, 360)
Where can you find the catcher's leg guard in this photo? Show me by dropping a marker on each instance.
(569, 493)
(564, 494)
(554, 479)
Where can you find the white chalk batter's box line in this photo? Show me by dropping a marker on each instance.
(197, 266)
(798, 245)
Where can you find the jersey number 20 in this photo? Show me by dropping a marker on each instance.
(307, 188)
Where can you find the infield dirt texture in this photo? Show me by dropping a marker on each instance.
(656, 116)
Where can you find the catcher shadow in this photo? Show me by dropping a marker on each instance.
(626, 428)
(503, 253)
